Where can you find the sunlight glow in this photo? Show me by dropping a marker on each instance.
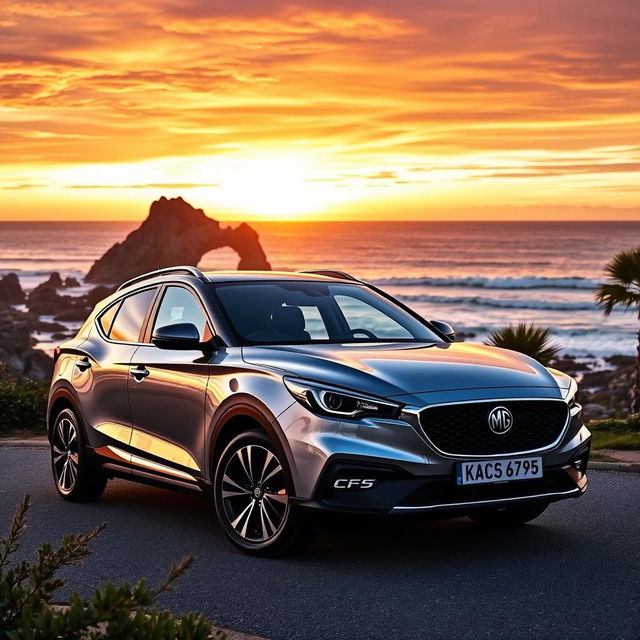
(274, 185)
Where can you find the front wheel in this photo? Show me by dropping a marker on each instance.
(509, 516)
(76, 478)
(252, 491)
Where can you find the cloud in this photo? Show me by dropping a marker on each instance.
(388, 92)
(151, 185)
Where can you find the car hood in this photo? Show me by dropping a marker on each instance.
(392, 369)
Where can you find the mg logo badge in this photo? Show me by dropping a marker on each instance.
(500, 420)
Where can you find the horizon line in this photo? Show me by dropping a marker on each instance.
(339, 220)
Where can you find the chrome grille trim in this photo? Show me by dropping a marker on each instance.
(555, 443)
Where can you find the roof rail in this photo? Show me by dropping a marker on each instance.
(161, 272)
(331, 273)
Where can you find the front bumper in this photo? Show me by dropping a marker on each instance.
(409, 475)
(396, 492)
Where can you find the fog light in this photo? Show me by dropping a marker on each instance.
(580, 464)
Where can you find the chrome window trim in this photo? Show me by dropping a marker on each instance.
(553, 494)
(571, 412)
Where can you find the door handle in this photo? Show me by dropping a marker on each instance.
(83, 364)
(139, 373)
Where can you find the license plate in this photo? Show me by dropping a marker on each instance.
(498, 470)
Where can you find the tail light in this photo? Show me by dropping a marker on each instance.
(56, 354)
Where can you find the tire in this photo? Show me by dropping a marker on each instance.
(509, 516)
(76, 477)
(252, 489)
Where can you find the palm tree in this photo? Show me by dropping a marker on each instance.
(623, 290)
(528, 339)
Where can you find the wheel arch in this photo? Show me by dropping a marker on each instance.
(62, 398)
(241, 413)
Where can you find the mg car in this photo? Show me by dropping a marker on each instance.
(282, 395)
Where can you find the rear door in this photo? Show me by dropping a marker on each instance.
(101, 373)
(167, 393)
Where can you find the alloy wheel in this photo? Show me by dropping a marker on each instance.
(64, 452)
(254, 495)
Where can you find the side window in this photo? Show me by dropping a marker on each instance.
(361, 315)
(126, 327)
(179, 305)
(106, 319)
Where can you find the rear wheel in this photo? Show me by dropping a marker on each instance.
(509, 516)
(252, 492)
(76, 478)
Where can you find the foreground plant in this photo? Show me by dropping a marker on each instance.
(124, 611)
(623, 290)
(528, 339)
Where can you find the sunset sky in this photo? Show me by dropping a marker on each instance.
(254, 109)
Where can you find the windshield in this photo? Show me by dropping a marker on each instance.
(300, 312)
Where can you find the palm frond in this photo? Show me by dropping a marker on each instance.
(624, 268)
(528, 339)
(623, 288)
(609, 296)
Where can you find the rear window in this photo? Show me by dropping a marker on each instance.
(128, 322)
(106, 319)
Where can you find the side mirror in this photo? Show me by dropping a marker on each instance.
(183, 336)
(446, 328)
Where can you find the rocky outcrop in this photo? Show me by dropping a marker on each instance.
(16, 345)
(10, 290)
(175, 233)
(45, 300)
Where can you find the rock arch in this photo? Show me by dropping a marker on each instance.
(175, 233)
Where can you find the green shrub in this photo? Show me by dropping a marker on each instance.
(124, 611)
(528, 339)
(616, 433)
(630, 423)
(23, 404)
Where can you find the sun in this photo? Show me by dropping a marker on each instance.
(274, 185)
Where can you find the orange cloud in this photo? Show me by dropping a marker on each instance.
(437, 103)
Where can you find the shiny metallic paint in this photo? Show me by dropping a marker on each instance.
(247, 381)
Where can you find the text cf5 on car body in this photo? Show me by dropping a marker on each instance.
(286, 393)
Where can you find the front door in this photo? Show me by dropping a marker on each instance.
(167, 392)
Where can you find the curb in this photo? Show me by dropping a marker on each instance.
(630, 467)
(42, 443)
(36, 443)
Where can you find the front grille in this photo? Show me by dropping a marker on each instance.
(463, 429)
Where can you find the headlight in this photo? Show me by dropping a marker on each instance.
(334, 401)
(573, 394)
(570, 396)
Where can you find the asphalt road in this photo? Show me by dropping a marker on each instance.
(574, 574)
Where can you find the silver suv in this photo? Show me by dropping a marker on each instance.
(285, 394)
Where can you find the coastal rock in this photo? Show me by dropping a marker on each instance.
(47, 327)
(10, 290)
(609, 388)
(16, 344)
(175, 233)
(96, 294)
(594, 411)
(45, 300)
(70, 281)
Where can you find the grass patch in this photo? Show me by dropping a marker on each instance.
(616, 433)
(628, 440)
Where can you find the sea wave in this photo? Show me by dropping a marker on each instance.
(509, 303)
(508, 282)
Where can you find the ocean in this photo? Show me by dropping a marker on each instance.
(478, 276)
